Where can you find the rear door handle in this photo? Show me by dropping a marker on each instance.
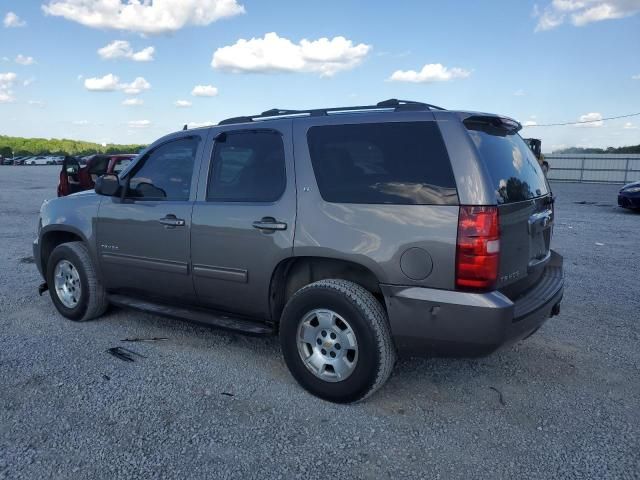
(269, 223)
(172, 221)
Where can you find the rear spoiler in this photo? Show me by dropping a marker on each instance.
(506, 123)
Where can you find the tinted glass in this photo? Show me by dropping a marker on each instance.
(99, 165)
(248, 167)
(166, 173)
(121, 164)
(513, 168)
(396, 163)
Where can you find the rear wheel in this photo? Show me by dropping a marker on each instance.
(336, 340)
(73, 284)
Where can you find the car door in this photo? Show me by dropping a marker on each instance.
(244, 221)
(70, 181)
(143, 236)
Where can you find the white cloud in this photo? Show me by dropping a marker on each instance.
(199, 124)
(23, 60)
(530, 123)
(6, 84)
(143, 16)
(144, 55)
(7, 79)
(135, 87)
(36, 103)
(636, 77)
(277, 54)
(123, 49)
(182, 103)
(11, 20)
(204, 91)
(80, 123)
(108, 83)
(431, 72)
(594, 119)
(139, 123)
(28, 81)
(519, 93)
(133, 102)
(583, 12)
(629, 126)
(111, 82)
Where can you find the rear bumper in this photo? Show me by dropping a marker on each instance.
(425, 320)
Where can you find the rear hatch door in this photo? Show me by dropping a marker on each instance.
(524, 199)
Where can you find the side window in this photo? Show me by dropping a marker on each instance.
(248, 166)
(401, 163)
(121, 164)
(166, 172)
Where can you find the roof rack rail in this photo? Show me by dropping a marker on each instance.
(392, 103)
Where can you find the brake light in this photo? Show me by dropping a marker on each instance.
(478, 248)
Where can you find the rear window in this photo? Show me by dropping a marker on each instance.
(388, 163)
(514, 170)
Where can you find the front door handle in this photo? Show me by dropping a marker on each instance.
(172, 221)
(269, 223)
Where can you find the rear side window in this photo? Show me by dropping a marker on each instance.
(248, 166)
(403, 163)
(99, 165)
(514, 170)
(121, 164)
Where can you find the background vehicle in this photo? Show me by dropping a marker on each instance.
(361, 242)
(40, 160)
(77, 178)
(629, 196)
(536, 147)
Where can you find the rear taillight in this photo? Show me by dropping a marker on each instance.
(478, 248)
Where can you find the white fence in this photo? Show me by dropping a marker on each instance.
(600, 168)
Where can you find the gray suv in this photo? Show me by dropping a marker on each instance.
(351, 232)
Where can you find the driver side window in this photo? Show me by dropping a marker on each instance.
(166, 172)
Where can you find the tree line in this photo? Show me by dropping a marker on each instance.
(19, 146)
(629, 149)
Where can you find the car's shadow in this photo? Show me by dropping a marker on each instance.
(416, 380)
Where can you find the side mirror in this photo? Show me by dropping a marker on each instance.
(108, 185)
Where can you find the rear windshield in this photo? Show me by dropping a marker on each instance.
(514, 170)
(382, 163)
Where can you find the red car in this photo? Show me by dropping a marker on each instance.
(75, 178)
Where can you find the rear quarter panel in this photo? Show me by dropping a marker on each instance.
(374, 236)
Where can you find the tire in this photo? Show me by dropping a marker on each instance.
(346, 304)
(92, 299)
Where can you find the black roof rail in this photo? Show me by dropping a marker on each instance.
(392, 103)
(399, 104)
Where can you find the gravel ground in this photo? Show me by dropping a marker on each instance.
(209, 404)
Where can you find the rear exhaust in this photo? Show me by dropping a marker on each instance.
(43, 287)
(555, 310)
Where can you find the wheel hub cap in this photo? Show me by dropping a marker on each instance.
(327, 345)
(67, 283)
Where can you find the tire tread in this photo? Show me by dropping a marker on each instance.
(372, 310)
(97, 302)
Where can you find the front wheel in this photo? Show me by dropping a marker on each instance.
(336, 340)
(73, 284)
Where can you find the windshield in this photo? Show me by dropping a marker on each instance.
(514, 170)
